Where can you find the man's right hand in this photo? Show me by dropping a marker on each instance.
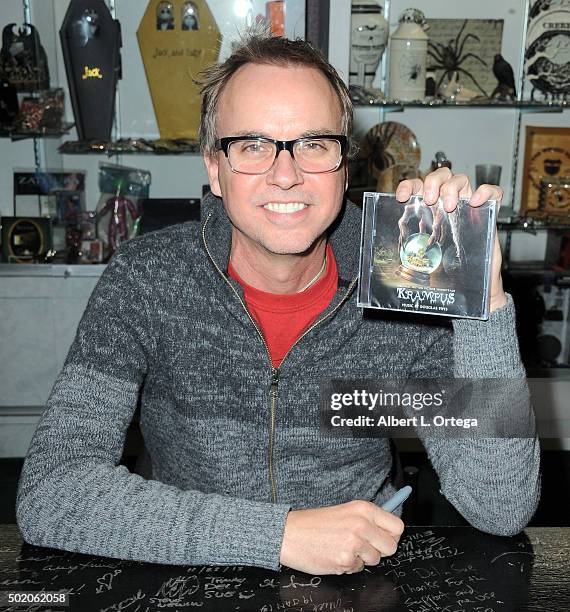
(339, 539)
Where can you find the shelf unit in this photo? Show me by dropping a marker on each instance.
(131, 146)
(536, 270)
(519, 107)
(143, 146)
(15, 135)
(528, 106)
(150, 147)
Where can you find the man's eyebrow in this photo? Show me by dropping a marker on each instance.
(251, 134)
(306, 134)
(321, 132)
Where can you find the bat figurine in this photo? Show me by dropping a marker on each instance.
(23, 60)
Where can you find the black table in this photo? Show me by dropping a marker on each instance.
(448, 569)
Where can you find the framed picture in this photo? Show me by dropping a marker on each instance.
(26, 239)
(465, 46)
(35, 193)
(547, 156)
(547, 61)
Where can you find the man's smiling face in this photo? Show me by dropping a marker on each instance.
(283, 211)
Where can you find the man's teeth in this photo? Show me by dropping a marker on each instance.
(290, 207)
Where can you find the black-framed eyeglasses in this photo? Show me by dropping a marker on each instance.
(256, 155)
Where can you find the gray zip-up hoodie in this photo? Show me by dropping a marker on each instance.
(235, 444)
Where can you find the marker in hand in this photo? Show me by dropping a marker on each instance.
(397, 500)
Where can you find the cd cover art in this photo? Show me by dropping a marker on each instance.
(420, 258)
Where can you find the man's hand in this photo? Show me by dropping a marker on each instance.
(339, 539)
(450, 187)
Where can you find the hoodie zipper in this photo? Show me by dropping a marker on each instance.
(274, 388)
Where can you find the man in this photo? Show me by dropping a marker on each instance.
(224, 333)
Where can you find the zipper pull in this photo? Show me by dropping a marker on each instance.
(274, 380)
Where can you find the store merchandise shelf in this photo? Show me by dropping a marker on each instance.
(131, 146)
(15, 134)
(537, 270)
(522, 105)
(534, 224)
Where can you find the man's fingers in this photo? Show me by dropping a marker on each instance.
(389, 522)
(486, 192)
(379, 529)
(449, 187)
(433, 184)
(406, 189)
(369, 554)
(374, 543)
(357, 567)
(458, 186)
(384, 542)
(381, 544)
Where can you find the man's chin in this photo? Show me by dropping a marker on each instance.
(277, 242)
(289, 247)
(287, 250)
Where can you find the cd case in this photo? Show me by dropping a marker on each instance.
(420, 258)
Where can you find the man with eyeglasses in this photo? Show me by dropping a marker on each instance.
(225, 331)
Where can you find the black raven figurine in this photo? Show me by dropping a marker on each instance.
(506, 89)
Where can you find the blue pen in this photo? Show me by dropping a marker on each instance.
(397, 500)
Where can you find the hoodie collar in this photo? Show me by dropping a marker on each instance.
(344, 235)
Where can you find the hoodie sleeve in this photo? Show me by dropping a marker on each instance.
(493, 482)
(74, 495)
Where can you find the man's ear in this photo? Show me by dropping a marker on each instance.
(212, 167)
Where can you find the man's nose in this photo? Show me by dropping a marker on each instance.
(285, 172)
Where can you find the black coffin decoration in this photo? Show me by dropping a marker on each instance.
(91, 42)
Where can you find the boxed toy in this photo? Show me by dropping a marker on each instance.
(420, 258)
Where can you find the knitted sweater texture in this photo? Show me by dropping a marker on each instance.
(234, 444)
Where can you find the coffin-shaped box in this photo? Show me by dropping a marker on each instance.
(91, 42)
(177, 40)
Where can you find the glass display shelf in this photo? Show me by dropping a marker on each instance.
(537, 270)
(528, 106)
(131, 146)
(15, 134)
(533, 224)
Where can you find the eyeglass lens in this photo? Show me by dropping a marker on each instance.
(256, 156)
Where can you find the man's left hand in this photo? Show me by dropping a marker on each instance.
(442, 183)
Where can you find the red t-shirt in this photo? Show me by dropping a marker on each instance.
(283, 318)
